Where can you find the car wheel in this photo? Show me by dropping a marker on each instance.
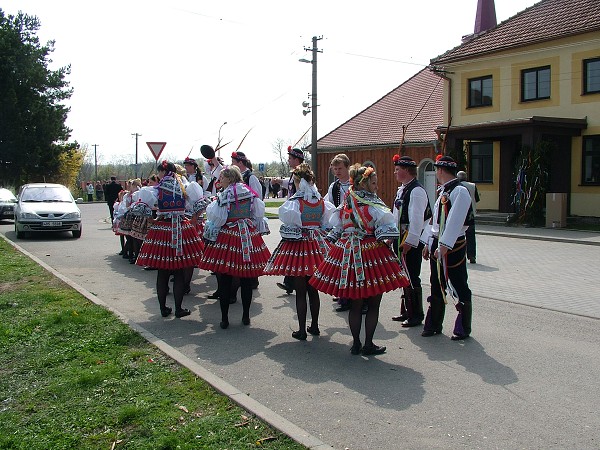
(77, 233)
(20, 234)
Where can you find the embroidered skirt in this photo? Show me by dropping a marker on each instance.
(298, 258)
(139, 227)
(239, 251)
(357, 268)
(158, 250)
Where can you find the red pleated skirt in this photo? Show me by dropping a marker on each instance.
(382, 270)
(157, 251)
(226, 255)
(297, 258)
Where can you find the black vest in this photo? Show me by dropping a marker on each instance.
(449, 187)
(402, 203)
(336, 192)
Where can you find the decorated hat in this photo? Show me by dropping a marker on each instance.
(404, 161)
(190, 161)
(207, 151)
(240, 156)
(444, 161)
(296, 153)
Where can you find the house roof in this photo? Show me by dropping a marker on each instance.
(415, 104)
(544, 21)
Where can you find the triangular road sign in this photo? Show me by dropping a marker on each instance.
(156, 148)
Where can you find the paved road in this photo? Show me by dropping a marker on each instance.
(527, 378)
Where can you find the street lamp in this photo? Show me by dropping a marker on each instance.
(313, 145)
(136, 152)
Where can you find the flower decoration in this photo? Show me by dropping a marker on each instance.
(368, 172)
(438, 157)
(234, 155)
(165, 163)
(396, 158)
(289, 147)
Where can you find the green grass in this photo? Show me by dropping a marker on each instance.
(74, 376)
(272, 203)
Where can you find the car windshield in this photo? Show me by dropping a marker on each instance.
(7, 196)
(46, 194)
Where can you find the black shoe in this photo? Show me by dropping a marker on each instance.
(400, 318)
(356, 348)
(408, 323)
(288, 290)
(166, 311)
(314, 331)
(182, 313)
(430, 333)
(125, 256)
(373, 350)
(255, 285)
(473, 260)
(214, 296)
(150, 268)
(132, 261)
(299, 335)
(246, 320)
(460, 337)
(224, 324)
(343, 308)
(121, 252)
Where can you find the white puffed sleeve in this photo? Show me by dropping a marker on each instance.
(289, 213)
(328, 211)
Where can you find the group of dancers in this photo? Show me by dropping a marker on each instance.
(349, 245)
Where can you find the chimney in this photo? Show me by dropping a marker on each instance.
(486, 16)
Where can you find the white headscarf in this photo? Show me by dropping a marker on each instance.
(309, 191)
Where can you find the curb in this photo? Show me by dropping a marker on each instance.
(243, 400)
(536, 237)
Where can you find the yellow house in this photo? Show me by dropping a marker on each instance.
(533, 78)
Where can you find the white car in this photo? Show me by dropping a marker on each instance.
(7, 204)
(44, 207)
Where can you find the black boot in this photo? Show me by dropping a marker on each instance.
(435, 316)
(403, 316)
(462, 327)
(414, 318)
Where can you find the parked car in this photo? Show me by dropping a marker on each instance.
(46, 207)
(7, 204)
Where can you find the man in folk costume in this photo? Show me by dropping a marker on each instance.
(213, 165)
(446, 244)
(295, 158)
(240, 160)
(411, 209)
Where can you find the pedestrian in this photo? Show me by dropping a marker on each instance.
(90, 191)
(474, 193)
(99, 191)
(172, 243)
(193, 172)
(111, 193)
(411, 210)
(445, 248)
(295, 158)
(336, 193)
(360, 265)
(235, 247)
(305, 217)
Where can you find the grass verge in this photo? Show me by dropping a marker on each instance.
(72, 375)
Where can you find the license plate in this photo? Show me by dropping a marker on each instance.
(52, 224)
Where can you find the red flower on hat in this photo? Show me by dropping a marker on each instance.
(234, 155)
(164, 163)
(289, 147)
(438, 157)
(396, 158)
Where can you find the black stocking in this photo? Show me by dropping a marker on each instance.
(178, 288)
(355, 318)
(162, 287)
(224, 289)
(371, 318)
(246, 289)
(300, 286)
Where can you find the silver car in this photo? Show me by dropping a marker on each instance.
(7, 204)
(46, 207)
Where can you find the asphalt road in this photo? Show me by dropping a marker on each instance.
(528, 377)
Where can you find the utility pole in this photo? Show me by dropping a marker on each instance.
(313, 145)
(96, 160)
(136, 152)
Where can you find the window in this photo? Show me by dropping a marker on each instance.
(591, 160)
(480, 91)
(591, 76)
(482, 162)
(535, 84)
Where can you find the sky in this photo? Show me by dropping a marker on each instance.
(181, 71)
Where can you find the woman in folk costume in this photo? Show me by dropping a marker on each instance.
(360, 265)
(235, 247)
(144, 201)
(172, 243)
(304, 216)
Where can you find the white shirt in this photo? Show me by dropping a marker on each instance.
(416, 209)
